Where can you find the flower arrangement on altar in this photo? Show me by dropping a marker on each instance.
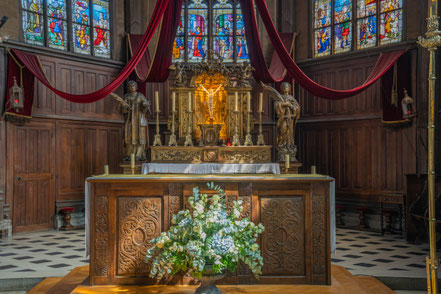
(206, 238)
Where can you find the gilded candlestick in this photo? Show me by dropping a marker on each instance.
(248, 140)
(157, 140)
(260, 138)
(431, 41)
(172, 141)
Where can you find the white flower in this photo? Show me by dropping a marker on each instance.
(203, 236)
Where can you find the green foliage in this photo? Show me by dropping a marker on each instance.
(206, 235)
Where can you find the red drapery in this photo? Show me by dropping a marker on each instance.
(142, 68)
(33, 63)
(28, 80)
(384, 63)
(158, 70)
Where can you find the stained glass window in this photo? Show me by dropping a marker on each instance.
(211, 25)
(33, 22)
(368, 22)
(45, 22)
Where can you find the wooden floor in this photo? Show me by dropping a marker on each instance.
(343, 282)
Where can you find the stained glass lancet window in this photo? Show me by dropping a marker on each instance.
(210, 24)
(368, 22)
(82, 26)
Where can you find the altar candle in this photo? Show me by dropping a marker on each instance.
(106, 169)
(189, 101)
(236, 101)
(286, 160)
(313, 169)
(132, 160)
(261, 102)
(173, 101)
(249, 101)
(157, 101)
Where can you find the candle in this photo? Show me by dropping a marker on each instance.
(249, 101)
(287, 161)
(132, 160)
(261, 102)
(189, 101)
(313, 170)
(236, 101)
(173, 101)
(106, 169)
(157, 101)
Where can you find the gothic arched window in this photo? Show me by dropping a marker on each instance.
(209, 24)
(338, 22)
(68, 25)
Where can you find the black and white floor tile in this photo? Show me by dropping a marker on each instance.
(56, 253)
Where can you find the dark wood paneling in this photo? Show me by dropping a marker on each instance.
(32, 160)
(363, 156)
(82, 151)
(77, 78)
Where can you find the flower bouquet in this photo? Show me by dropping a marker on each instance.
(206, 241)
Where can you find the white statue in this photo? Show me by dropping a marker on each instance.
(210, 100)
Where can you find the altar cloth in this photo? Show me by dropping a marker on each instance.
(211, 168)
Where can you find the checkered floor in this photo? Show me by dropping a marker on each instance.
(55, 253)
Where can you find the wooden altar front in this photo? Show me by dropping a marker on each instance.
(127, 212)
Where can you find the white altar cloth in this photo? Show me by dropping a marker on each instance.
(211, 168)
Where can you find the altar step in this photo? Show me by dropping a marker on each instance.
(343, 282)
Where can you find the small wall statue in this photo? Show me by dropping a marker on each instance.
(136, 109)
(288, 113)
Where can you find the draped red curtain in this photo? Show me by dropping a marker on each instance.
(27, 78)
(142, 68)
(384, 63)
(32, 62)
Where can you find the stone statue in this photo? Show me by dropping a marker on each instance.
(135, 108)
(244, 73)
(179, 75)
(288, 113)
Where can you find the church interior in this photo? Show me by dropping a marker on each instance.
(263, 146)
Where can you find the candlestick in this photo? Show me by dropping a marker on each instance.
(249, 101)
(189, 137)
(287, 163)
(248, 140)
(132, 163)
(236, 140)
(261, 102)
(157, 140)
(157, 101)
(313, 169)
(173, 101)
(236, 101)
(260, 138)
(189, 101)
(106, 169)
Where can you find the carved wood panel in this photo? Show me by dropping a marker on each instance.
(282, 242)
(140, 220)
(319, 235)
(102, 254)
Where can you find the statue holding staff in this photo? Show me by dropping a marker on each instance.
(135, 108)
(288, 113)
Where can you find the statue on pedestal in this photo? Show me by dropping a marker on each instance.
(135, 108)
(288, 113)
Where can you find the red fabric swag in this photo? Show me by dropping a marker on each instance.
(384, 63)
(142, 68)
(33, 63)
(158, 69)
(28, 86)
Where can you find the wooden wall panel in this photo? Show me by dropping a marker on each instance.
(363, 156)
(77, 78)
(82, 151)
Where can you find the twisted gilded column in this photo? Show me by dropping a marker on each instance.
(431, 41)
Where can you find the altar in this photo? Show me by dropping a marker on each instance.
(125, 212)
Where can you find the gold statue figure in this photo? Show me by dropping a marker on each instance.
(135, 108)
(288, 113)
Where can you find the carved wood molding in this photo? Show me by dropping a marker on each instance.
(319, 235)
(140, 220)
(101, 236)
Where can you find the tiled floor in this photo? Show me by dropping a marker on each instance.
(55, 253)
